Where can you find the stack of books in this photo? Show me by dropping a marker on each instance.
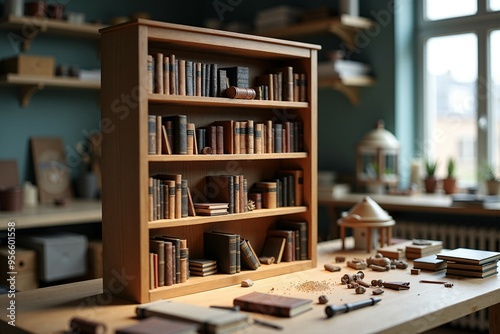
(202, 267)
(470, 262)
(421, 248)
(211, 209)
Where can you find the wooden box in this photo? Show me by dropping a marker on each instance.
(30, 65)
(25, 268)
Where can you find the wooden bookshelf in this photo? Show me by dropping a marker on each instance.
(127, 166)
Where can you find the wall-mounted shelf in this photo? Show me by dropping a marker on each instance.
(349, 86)
(79, 211)
(343, 26)
(31, 84)
(28, 27)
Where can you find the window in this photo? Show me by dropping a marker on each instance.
(460, 89)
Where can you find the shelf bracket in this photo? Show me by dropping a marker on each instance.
(28, 91)
(346, 34)
(352, 93)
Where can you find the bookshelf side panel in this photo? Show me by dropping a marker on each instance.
(124, 235)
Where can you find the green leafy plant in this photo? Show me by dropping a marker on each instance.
(451, 168)
(430, 167)
(487, 172)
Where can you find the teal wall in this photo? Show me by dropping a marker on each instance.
(68, 113)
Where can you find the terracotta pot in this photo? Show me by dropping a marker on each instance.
(11, 199)
(493, 187)
(430, 185)
(450, 185)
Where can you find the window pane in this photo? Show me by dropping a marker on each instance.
(494, 5)
(450, 104)
(445, 9)
(495, 103)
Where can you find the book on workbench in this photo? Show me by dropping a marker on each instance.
(155, 325)
(471, 256)
(272, 304)
(211, 320)
(430, 262)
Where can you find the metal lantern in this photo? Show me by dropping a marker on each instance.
(377, 155)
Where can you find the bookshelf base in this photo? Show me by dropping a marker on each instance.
(198, 284)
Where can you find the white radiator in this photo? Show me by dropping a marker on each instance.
(455, 233)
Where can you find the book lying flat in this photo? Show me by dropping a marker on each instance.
(211, 320)
(155, 325)
(471, 256)
(476, 267)
(430, 262)
(472, 273)
(271, 304)
(396, 250)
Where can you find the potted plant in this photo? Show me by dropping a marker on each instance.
(490, 178)
(450, 182)
(430, 180)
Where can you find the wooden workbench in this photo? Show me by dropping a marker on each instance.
(422, 307)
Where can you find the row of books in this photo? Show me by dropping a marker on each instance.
(170, 75)
(232, 253)
(175, 135)
(169, 259)
(170, 196)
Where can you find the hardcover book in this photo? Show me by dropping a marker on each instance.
(289, 236)
(471, 256)
(179, 124)
(158, 247)
(430, 262)
(419, 248)
(269, 194)
(222, 248)
(248, 256)
(155, 325)
(272, 304)
(211, 320)
(472, 273)
(301, 236)
(274, 247)
(474, 267)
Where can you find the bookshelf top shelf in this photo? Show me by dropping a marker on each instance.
(204, 40)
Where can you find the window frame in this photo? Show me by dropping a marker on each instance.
(481, 24)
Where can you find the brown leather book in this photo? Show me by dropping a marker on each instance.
(273, 304)
(289, 236)
(155, 325)
(274, 247)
